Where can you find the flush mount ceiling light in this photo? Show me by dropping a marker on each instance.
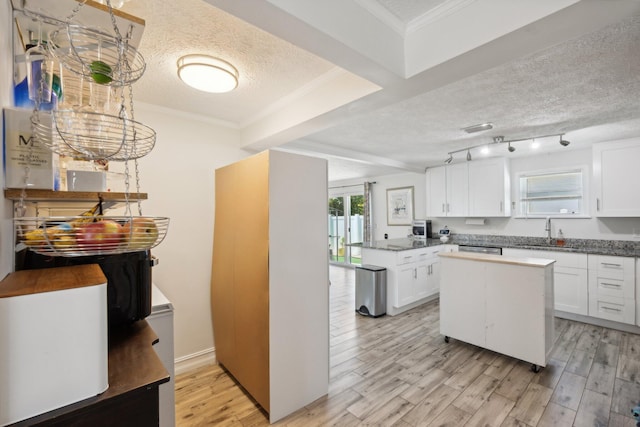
(478, 128)
(207, 73)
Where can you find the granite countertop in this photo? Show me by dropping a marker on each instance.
(400, 244)
(587, 246)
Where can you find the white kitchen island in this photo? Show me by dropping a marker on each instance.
(504, 304)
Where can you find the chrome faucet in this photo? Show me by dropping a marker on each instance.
(547, 228)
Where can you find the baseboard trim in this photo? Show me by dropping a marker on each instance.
(599, 322)
(195, 360)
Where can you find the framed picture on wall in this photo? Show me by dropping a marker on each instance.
(400, 206)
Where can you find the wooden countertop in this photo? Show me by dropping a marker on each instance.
(27, 282)
(472, 256)
(134, 367)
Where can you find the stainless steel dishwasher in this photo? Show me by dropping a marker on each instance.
(480, 249)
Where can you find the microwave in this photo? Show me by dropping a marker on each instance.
(421, 228)
(128, 280)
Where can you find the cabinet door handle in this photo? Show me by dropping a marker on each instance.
(610, 264)
(611, 285)
(415, 273)
(500, 205)
(443, 208)
(617, 310)
(598, 204)
(448, 210)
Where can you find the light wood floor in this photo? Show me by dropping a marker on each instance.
(399, 371)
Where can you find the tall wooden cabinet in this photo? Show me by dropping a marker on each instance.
(270, 278)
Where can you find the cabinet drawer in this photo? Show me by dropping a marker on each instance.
(433, 251)
(406, 257)
(564, 259)
(612, 308)
(611, 287)
(612, 267)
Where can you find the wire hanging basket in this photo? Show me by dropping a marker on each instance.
(89, 235)
(92, 136)
(95, 55)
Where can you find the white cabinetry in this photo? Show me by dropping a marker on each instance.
(478, 188)
(457, 190)
(498, 303)
(612, 293)
(570, 278)
(616, 175)
(436, 192)
(489, 188)
(412, 275)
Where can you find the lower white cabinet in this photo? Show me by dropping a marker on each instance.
(612, 288)
(571, 293)
(412, 275)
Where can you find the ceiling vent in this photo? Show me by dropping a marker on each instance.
(478, 128)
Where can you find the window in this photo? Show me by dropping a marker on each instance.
(558, 193)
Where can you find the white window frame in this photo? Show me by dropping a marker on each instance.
(583, 169)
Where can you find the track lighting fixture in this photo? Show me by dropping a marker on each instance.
(510, 148)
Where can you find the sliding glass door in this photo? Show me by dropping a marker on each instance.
(346, 226)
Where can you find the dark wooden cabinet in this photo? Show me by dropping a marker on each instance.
(135, 372)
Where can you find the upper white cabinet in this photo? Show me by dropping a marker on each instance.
(489, 188)
(457, 186)
(436, 192)
(480, 188)
(616, 175)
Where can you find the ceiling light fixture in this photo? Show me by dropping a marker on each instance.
(500, 139)
(478, 128)
(207, 73)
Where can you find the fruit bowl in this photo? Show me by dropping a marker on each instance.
(82, 235)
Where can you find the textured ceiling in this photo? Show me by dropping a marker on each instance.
(270, 68)
(573, 69)
(587, 82)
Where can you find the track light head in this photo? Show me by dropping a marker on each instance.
(468, 155)
(510, 148)
(564, 142)
(449, 159)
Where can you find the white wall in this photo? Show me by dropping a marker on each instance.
(178, 176)
(580, 228)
